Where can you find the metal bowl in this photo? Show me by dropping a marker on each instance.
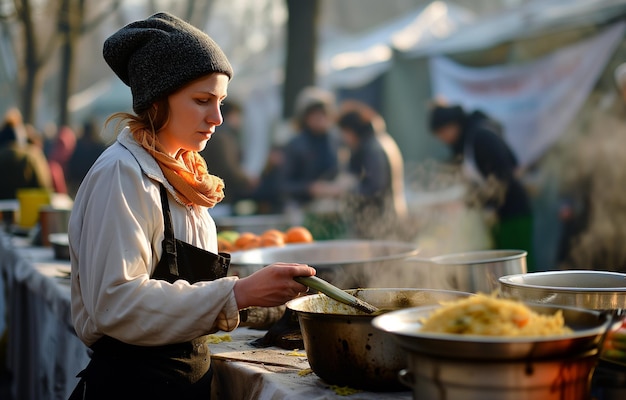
(588, 326)
(590, 289)
(343, 347)
(472, 271)
(345, 263)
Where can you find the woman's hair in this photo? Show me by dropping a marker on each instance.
(442, 114)
(151, 120)
(360, 118)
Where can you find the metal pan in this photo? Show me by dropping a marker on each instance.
(595, 290)
(473, 271)
(344, 263)
(589, 328)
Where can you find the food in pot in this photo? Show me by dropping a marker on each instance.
(491, 316)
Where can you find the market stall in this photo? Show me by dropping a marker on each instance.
(45, 354)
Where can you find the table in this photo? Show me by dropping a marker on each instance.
(45, 354)
(245, 372)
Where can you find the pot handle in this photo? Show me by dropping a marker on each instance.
(406, 377)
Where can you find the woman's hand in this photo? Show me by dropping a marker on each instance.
(272, 285)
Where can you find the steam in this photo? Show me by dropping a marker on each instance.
(592, 162)
(440, 221)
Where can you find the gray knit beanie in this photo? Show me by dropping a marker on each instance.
(160, 54)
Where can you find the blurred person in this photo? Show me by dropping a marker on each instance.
(313, 156)
(373, 195)
(268, 195)
(148, 284)
(89, 146)
(24, 164)
(487, 161)
(60, 154)
(224, 155)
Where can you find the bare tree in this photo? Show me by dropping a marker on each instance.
(301, 48)
(72, 24)
(44, 28)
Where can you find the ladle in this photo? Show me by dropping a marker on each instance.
(335, 293)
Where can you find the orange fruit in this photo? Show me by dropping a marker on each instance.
(247, 240)
(224, 245)
(273, 232)
(272, 238)
(298, 234)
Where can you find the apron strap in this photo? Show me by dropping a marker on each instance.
(169, 242)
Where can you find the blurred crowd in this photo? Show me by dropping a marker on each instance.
(344, 175)
(55, 159)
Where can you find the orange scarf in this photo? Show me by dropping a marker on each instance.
(188, 172)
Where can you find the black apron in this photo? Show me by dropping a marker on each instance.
(175, 371)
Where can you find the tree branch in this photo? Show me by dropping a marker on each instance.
(91, 25)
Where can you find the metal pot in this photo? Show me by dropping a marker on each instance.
(436, 378)
(342, 346)
(589, 327)
(473, 271)
(344, 263)
(52, 220)
(590, 289)
(452, 366)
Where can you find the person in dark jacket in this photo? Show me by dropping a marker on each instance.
(311, 157)
(88, 148)
(376, 202)
(26, 163)
(224, 155)
(477, 142)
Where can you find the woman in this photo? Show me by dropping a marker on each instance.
(311, 158)
(376, 203)
(487, 161)
(147, 282)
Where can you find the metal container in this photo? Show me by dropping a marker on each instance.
(590, 289)
(61, 245)
(436, 378)
(453, 366)
(589, 327)
(473, 271)
(52, 220)
(344, 263)
(342, 346)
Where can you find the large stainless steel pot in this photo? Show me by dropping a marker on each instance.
(590, 289)
(473, 271)
(595, 290)
(588, 326)
(435, 378)
(343, 347)
(450, 367)
(344, 263)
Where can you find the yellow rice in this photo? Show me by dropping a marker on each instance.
(491, 316)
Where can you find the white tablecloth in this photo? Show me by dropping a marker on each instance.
(245, 372)
(45, 354)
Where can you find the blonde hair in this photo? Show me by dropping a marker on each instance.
(150, 120)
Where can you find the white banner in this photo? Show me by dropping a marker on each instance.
(535, 101)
